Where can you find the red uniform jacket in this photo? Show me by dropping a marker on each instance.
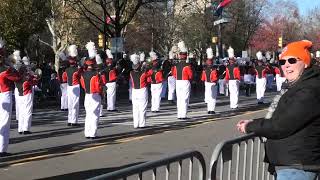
(139, 79)
(209, 75)
(232, 72)
(261, 71)
(279, 71)
(72, 75)
(91, 82)
(109, 75)
(156, 76)
(62, 76)
(182, 71)
(7, 79)
(25, 85)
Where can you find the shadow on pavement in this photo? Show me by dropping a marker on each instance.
(89, 173)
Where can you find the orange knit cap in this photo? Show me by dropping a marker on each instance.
(298, 49)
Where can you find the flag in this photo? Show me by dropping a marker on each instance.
(220, 7)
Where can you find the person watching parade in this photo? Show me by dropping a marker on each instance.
(291, 124)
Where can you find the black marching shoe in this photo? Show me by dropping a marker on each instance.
(69, 124)
(114, 110)
(20, 132)
(212, 112)
(27, 132)
(4, 154)
(75, 124)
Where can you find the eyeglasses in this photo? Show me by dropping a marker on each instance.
(290, 60)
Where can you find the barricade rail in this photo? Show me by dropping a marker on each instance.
(226, 159)
(154, 165)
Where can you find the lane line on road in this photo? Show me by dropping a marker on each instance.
(124, 140)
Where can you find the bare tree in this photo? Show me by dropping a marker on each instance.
(109, 17)
(61, 26)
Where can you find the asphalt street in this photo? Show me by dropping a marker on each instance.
(56, 151)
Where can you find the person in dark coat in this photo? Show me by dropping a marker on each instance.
(292, 123)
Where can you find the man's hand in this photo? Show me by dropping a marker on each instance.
(241, 126)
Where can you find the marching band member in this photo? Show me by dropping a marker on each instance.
(248, 77)
(109, 77)
(72, 75)
(261, 81)
(156, 75)
(99, 67)
(92, 83)
(25, 93)
(279, 77)
(63, 82)
(183, 74)
(171, 79)
(222, 81)
(233, 78)
(7, 77)
(139, 80)
(210, 78)
(17, 59)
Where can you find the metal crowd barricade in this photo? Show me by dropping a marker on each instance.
(153, 166)
(240, 159)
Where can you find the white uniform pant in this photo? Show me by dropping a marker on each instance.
(64, 96)
(130, 91)
(210, 95)
(222, 84)
(279, 81)
(171, 88)
(164, 88)
(156, 90)
(139, 106)
(234, 93)
(101, 110)
(25, 114)
(270, 78)
(73, 103)
(17, 103)
(260, 88)
(183, 88)
(92, 104)
(5, 117)
(111, 95)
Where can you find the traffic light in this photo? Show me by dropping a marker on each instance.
(280, 42)
(100, 40)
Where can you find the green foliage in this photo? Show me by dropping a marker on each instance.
(21, 19)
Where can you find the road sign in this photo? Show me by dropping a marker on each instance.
(220, 21)
(116, 45)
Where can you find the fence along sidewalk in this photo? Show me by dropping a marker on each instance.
(140, 169)
(240, 158)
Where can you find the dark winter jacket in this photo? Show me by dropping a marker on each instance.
(293, 132)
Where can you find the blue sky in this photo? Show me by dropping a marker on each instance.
(305, 5)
